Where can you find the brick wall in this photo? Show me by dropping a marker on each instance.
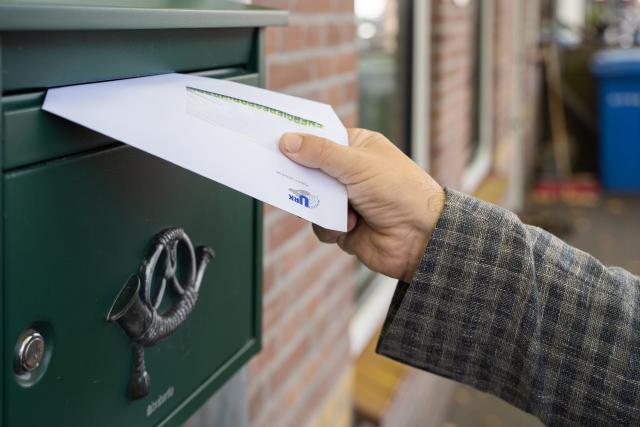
(509, 120)
(504, 58)
(452, 86)
(308, 287)
(451, 68)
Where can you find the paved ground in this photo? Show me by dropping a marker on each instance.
(610, 230)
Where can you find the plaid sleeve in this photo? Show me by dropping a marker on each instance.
(512, 310)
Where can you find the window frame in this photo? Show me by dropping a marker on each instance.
(480, 165)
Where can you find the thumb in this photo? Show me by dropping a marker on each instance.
(319, 153)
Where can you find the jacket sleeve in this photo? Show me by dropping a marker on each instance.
(512, 310)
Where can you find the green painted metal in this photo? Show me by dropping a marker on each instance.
(133, 14)
(33, 135)
(75, 229)
(79, 211)
(42, 59)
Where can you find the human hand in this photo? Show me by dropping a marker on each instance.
(394, 204)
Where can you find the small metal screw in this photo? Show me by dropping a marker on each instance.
(29, 352)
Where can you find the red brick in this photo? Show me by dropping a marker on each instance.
(272, 39)
(336, 299)
(285, 228)
(292, 327)
(349, 33)
(314, 303)
(324, 66)
(351, 91)
(295, 255)
(292, 38)
(256, 402)
(305, 279)
(273, 311)
(281, 75)
(346, 62)
(334, 34)
(448, 165)
(313, 6)
(288, 365)
(343, 5)
(264, 358)
(269, 210)
(316, 95)
(320, 390)
(335, 95)
(315, 363)
(339, 33)
(315, 306)
(314, 36)
(268, 278)
(274, 418)
(292, 395)
(439, 55)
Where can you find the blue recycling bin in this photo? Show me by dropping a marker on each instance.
(618, 72)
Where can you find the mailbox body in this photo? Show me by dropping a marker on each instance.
(80, 211)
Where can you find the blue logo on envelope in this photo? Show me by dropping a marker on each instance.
(304, 198)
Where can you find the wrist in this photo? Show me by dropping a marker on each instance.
(432, 204)
(429, 214)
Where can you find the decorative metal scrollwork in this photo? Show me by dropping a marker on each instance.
(136, 311)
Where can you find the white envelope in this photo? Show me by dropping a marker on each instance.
(225, 131)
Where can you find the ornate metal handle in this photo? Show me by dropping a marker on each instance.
(136, 311)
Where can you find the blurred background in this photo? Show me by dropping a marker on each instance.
(530, 104)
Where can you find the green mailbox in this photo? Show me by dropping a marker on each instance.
(131, 288)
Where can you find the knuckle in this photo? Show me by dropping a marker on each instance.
(378, 138)
(377, 135)
(353, 132)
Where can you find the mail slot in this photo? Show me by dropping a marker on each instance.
(131, 288)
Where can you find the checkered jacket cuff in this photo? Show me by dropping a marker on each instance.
(512, 310)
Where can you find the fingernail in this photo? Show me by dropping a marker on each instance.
(292, 142)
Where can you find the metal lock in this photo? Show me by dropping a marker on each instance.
(29, 352)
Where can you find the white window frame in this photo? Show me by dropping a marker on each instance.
(373, 305)
(480, 165)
